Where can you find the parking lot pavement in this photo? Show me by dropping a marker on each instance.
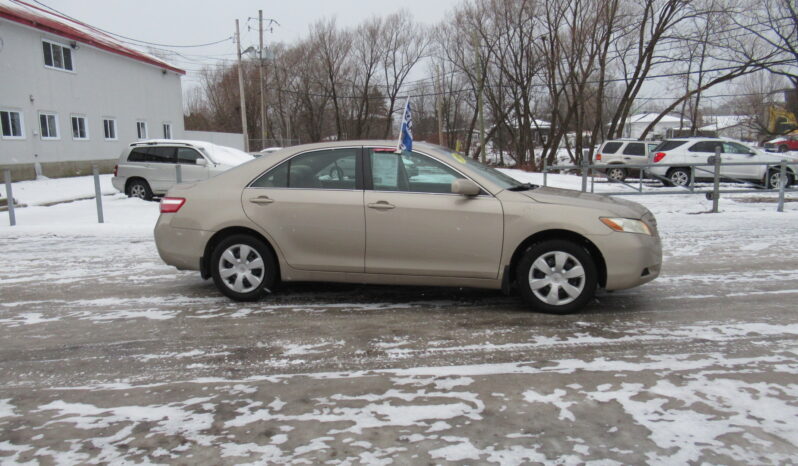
(108, 355)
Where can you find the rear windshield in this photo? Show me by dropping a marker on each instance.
(669, 145)
(611, 147)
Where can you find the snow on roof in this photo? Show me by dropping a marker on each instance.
(649, 117)
(33, 16)
(219, 154)
(720, 122)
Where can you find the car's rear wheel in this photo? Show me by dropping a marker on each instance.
(679, 177)
(140, 189)
(556, 277)
(773, 179)
(243, 267)
(616, 174)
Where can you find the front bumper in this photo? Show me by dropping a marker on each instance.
(180, 247)
(631, 259)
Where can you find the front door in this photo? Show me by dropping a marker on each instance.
(416, 226)
(190, 172)
(312, 207)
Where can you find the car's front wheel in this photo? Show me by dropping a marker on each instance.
(556, 277)
(773, 179)
(616, 174)
(243, 267)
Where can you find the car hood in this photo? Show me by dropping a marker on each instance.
(619, 207)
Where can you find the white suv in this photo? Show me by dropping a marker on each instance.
(148, 168)
(622, 152)
(699, 150)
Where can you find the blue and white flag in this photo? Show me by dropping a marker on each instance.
(406, 133)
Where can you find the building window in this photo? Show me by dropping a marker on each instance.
(167, 131)
(57, 56)
(79, 128)
(12, 124)
(109, 127)
(48, 125)
(141, 129)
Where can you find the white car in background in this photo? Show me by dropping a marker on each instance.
(148, 168)
(699, 150)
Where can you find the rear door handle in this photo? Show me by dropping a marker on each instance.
(261, 200)
(381, 205)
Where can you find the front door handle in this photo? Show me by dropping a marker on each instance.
(261, 200)
(381, 205)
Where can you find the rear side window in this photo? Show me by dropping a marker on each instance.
(669, 145)
(635, 148)
(139, 154)
(611, 147)
(705, 146)
(325, 169)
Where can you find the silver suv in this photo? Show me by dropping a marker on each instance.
(622, 152)
(148, 168)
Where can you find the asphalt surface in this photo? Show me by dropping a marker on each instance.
(108, 355)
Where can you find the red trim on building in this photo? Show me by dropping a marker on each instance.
(60, 28)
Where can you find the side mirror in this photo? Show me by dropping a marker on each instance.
(201, 162)
(750, 153)
(465, 187)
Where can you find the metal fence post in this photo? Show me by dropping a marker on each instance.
(692, 178)
(782, 182)
(98, 196)
(179, 173)
(545, 170)
(584, 175)
(12, 218)
(716, 187)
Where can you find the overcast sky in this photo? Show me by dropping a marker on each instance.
(196, 22)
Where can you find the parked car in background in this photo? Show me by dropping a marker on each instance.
(699, 150)
(148, 168)
(786, 143)
(266, 151)
(352, 211)
(620, 152)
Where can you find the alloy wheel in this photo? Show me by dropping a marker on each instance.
(680, 178)
(138, 190)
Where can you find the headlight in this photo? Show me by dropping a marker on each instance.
(626, 224)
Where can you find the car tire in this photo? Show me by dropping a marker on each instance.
(616, 174)
(139, 188)
(243, 267)
(772, 179)
(556, 277)
(679, 177)
(783, 149)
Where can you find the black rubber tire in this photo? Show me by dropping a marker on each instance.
(770, 185)
(783, 149)
(622, 173)
(673, 171)
(539, 249)
(269, 267)
(145, 188)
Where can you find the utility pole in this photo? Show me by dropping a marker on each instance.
(480, 84)
(262, 90)
(439, 85)
(241, 91)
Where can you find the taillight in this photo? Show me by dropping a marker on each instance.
(170, 205)
(116, 170)
(598, 156)
(659, 156)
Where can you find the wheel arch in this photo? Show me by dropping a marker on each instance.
(559, 234)
(205, 269)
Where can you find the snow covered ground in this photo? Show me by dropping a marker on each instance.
(108, 355)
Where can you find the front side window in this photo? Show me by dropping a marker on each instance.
(48, 125)
(11, 124)
(411, 172)
(167, 131)
(109, 127)
(186, 155)
(141, 129)
(79, 128)
(324, 169)
(152, 155)
(57, 56)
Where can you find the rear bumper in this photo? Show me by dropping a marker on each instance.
(180, 247)
(632, 259)
(119, 183)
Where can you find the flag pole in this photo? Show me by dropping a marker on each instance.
(402, 126)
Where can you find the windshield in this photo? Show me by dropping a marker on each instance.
(497, 177)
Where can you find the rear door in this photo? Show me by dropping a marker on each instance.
(312, 206)
(415, 225)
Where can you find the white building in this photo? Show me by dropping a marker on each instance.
(636, 124)
(731, 126)
(72, 96)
